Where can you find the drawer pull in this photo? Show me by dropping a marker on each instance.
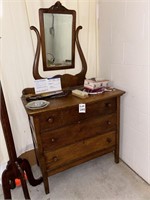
(53, 139)
(108, 105)
(109, 140)
(50, 120)
(109, 122)
(55, 158)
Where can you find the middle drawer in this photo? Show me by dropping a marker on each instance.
(73, 133)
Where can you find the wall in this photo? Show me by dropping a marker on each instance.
(124, 59)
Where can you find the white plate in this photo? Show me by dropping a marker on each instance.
(38, 104)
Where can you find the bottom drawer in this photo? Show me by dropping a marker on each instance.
(79, 150)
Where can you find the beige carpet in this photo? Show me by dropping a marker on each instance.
(99, 179)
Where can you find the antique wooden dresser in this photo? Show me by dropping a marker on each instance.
(64, 138)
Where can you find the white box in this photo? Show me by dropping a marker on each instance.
(92, 84)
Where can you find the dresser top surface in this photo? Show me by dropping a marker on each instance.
(70, 100)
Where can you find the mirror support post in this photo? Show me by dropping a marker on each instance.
(83, 61)
(36, 74)
(67, 80)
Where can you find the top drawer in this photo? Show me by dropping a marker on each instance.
(62, 117)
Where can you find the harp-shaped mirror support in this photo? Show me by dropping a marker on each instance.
(67, 80)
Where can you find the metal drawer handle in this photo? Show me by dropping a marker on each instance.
(53, 139)
(109, 140)
(55, 158)
(50, 120)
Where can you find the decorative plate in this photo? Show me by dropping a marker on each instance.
(38, 104)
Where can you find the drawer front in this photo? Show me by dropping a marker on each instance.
(87, 128)
(79, 150)
(59, 118)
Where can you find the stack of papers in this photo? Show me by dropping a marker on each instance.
(47, 85)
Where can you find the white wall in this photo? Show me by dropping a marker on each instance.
(124, 58)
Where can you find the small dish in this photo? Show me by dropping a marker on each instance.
(38, 104)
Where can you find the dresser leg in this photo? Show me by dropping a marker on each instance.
(116, 156)
(46, 185)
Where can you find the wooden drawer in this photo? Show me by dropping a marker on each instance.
(58, 138)
(68, 154)
(58, 118)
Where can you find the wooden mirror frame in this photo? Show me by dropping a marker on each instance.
(67, 80)
(57, 8)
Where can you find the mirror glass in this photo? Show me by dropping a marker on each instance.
(58, 40)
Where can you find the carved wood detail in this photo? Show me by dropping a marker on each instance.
(36, 74)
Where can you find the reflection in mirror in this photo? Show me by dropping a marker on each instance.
(58, 39)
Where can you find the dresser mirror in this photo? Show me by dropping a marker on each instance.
(58, 37)
(57, 27)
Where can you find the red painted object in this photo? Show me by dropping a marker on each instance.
(18, 181)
